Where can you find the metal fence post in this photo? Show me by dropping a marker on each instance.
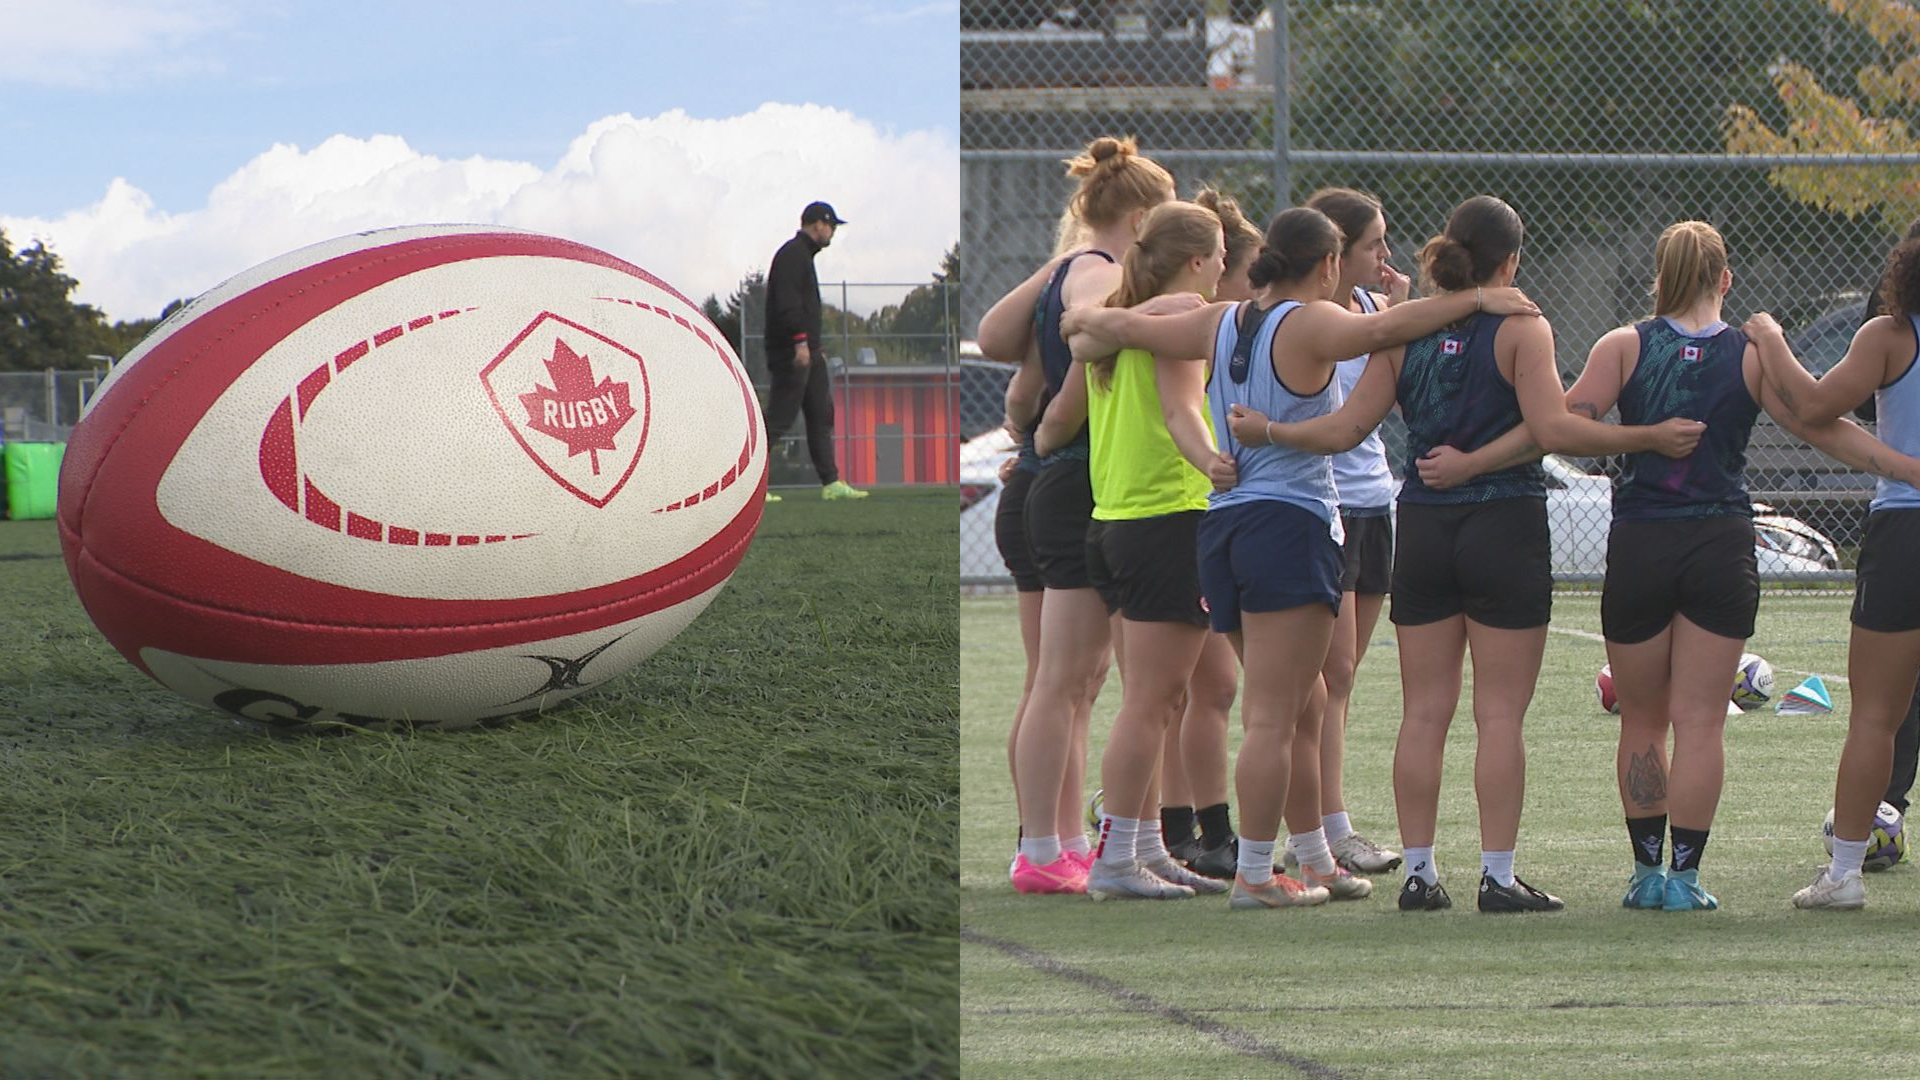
(1282, 112)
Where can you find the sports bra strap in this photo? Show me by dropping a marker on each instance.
(1241, 364)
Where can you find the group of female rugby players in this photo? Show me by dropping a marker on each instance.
(1202, 494)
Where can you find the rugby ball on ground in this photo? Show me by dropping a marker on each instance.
(429, 476)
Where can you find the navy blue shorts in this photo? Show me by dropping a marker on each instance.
(1266, 556)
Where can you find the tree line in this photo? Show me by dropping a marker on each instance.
(42, 326)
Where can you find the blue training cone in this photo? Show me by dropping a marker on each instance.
(1810, 696)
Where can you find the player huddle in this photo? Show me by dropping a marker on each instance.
(1200, 482)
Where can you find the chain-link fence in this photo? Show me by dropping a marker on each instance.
(43, 406)
(892, 353)
(1601, 122)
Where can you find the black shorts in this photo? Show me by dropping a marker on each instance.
(1266, 555)
(1369, 553)
(1059, 509)
(1886, 591)
(1490, 561)
(1010, 531)
(1703, 568)
(1148, 569)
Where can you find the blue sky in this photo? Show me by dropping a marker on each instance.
(203, 131)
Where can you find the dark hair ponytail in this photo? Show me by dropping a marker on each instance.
(1298, 240)
(1481, 234)
(1899, 292)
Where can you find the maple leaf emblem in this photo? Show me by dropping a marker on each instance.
(578, 411)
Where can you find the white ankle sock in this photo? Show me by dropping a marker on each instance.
(1420, 864)
(1498, 865)
(1076, 843)
(1847, 855)
(1310, 848)
(1040, 850)
(1256, 861)
(1152, 843)
(1337, 825)
(1118, 843)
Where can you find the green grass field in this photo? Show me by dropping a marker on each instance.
(1062, 987)
(737, 860)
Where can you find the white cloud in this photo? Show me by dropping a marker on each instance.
(698, 201)
(93, 42)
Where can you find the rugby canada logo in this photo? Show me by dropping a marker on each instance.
(576, 401)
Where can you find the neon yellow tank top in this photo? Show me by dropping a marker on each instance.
(1137, 470)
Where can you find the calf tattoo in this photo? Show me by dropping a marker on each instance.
(1646, 780)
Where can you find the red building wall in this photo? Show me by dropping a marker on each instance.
(897, 425)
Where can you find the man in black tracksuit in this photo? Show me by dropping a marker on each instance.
(794, 361)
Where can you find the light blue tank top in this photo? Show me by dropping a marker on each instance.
(1361, 478)
(1244, 375)
(1899, 413)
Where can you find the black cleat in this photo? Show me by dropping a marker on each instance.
(1220, 861)
(1417, 895)
(1496, 898)
(1185, 851)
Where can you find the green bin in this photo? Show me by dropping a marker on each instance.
(33, 479)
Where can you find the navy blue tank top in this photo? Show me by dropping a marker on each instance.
(1452, 394)
(1696, 375)
(1055, 359)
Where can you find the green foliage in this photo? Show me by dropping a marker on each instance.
(1822, 121)
(40, 324)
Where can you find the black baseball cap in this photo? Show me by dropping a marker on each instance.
(819, 211)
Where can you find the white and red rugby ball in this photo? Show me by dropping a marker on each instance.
(433, 476)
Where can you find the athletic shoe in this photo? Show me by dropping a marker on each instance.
(1684, 894)
(1131, 881)
(1063, 875)
(1169, 870)
(1186, 850)
(1340, 885)
(1282, 891)
(1847, 894)
(1417, 895)
(1496, 898)
(771, 497)
(1363, 856)
(1647, 892)
(1222, 861)
(840, 489)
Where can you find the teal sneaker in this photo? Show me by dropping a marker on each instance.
(1684, 893)
(1647, 891)
(840, 489)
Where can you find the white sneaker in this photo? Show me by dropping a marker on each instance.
(1847, 894)
(1131, 881)
(1362, 856)
(1168, 870)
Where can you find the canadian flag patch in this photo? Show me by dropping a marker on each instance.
(1450, 347)
(1689, 352)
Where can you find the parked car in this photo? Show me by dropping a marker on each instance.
(1579, 514)
(1782, 469)
(980, 459)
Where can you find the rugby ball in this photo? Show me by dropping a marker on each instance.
(431, 476)
(1603, 689)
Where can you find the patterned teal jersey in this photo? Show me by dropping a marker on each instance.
(1697, 376)
(1452, 394)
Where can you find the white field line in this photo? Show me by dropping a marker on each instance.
(1588, 635)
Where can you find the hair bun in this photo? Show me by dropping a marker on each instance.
(1106, 146)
